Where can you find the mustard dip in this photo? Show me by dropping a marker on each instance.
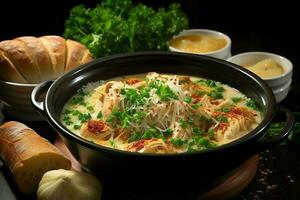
(198, 43)
(266, 68)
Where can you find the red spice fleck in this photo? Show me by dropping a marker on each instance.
(222, 126)
(214, 102)
(138, 145)
(196, 98)
(132, 81)
(96, 126)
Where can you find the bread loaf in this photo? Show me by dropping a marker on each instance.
(33, 60)
(28, 156)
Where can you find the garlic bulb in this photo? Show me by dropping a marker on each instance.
(68, 185)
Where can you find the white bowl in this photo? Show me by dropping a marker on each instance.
(280, 85)
(222, 53)
(16, 99)
(249, 58)
(282, 92)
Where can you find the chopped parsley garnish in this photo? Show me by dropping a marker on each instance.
(149, 133)
(99, 115)
(197, 131)
(167, 132)
(211, 134)
(66, 111)
(222, 118)
(77, 100)
(183, 123)
(134, 137)
(67, 120)
(225, 109)
(132, 96)
(188, 99)
(215, 94)
(236, 99)
(252, 104)
(177, 142)
(84, 117)
(76, 112)
(90, 108)
(76, 126)
(163, 91)
(196, 106)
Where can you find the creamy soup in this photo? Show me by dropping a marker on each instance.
(266, 68)
(159, 113)
(198, 43)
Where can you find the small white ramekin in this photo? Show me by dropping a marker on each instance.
(279, 84)
(222, 53)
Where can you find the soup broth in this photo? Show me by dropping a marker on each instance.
(160, 113)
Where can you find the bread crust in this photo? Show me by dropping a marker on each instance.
(56, 46)
(16, 52)
(75, 53)
(30, 59)
(39, 55)
(9, 72)
(28, 155)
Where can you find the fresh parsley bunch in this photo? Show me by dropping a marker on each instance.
(117, 26)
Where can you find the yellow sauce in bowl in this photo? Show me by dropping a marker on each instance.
(266, 68)
(198, 43)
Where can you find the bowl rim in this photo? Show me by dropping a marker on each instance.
(209, 31)
(289, 67)
(255, 133)
(18, 84)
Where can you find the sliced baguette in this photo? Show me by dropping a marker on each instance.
(75, 54)
(16, 52)
(8, 70)
(57, 50)
(28, 156)
(39, 55)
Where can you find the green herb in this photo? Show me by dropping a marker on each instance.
(225, 109)
(215, 94)
(84, 117)
(197, 131)
(66, 111)
(187, 99)
(211, 134)
(100, 115)
(149, 133)
(196, 106)
(138, 117)
(77, 100)
(252, 104)
(236, 99)
(90, 108)
(67, 120)
(76, 112)
(76, 127)
(183, 123)
(120, 26)
(222, 118)
(201, 93)
(132, 97)
(112, 143)
(167, 132)
(134, 137)
(165, 93)
(177, 142)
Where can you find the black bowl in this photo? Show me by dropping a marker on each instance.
(176, 171)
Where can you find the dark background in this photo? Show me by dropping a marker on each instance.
(253, 25)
